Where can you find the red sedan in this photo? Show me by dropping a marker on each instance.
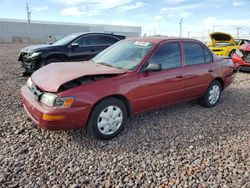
(242, 57)
(132, 76)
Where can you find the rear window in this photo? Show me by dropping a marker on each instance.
(107, 40)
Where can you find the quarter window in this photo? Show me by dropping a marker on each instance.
(168, 55)
(106, 40)
(194, 53)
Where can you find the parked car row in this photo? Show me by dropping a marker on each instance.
(129, 77)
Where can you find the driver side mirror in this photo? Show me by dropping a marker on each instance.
(74, 45)
(153, 67)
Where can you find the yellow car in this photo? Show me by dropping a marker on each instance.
(223, 44)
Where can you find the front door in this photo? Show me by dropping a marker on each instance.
(162, 87)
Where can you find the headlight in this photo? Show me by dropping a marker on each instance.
(34, 54)
(29, 83)
(48, 99)
(64, 102)
(55, 101)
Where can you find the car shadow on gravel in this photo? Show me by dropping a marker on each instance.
(179, 125)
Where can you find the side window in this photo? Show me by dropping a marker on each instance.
(168, 55)
(106, 40)
(91, 40)
(194, 53)
(208, 56)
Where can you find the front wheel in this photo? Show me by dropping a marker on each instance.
(107, 119)
(212, 95)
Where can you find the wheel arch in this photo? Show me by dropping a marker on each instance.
(220, 80)
(120, 97)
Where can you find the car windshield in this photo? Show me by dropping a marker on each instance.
(65, 40)
(124, 54)
(223, 44)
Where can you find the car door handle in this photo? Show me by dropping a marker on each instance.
(210, 70)
(179, 76)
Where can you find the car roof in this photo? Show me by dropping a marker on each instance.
(161, 39)
(96, 33)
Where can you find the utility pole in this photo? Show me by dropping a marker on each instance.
(181, 20)
(28, 18)
(238, 31)
(189, 33)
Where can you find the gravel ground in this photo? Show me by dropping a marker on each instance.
(184, 145)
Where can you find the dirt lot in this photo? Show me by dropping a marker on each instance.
(185, 145)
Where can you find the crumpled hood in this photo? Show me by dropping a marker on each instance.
(52, 76)
(221, 37)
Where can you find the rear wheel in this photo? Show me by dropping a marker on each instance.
(212, 95)
(107, 119)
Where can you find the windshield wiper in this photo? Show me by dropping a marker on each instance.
(103, 63)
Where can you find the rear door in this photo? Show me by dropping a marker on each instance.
(199, 69)
(165, 86)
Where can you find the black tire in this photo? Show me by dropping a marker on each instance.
(204, 100)
(92, 127)
(231, 53)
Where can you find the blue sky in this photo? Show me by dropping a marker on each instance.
(155, 17)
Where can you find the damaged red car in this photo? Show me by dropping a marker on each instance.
(242, 57)
(130, 77)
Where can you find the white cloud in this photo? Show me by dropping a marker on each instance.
(239, 3)
(176, 1)
(177, 9)
(76, 11)
(130, 7)
(180, 11)
(95, 6)
(158, 17)
(210, 21)
(184, 14)
(40, 8)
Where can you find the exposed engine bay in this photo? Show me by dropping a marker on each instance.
(83, 80)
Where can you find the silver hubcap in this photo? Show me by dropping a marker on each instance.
(214, 94)
(110, 120)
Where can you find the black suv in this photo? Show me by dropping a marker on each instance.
(74, 47)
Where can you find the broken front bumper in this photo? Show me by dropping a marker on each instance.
(48, 118)
(29, 64)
